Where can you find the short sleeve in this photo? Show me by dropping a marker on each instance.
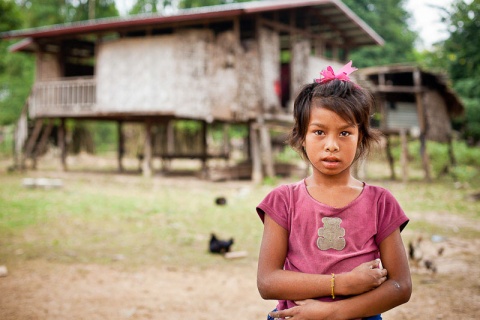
(275, 204)
(390, 216)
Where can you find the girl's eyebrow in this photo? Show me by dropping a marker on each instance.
(321, 125)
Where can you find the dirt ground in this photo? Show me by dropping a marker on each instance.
(44, 290)
(41, 289)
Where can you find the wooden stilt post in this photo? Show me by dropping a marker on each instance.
(147, 151)
(257, 174)
(422, 119)
(170, 145)
(204, 149)
(21, 137)
(425, 157)
(226, 140)
(391, 160)
(62, 143)
(40, 148)
(266, 147)
(404, 155)
(451, 154)
(121, 146)
(32, 140)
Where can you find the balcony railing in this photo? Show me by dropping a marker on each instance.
(66, 97)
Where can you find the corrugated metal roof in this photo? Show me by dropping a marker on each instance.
(341, 22)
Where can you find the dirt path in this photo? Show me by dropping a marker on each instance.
(43, 290)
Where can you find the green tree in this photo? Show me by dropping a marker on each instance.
(205, 3)
(146, 6)
(390, 20)
(462, 59)
(93, 9)
(458, 56)
(47, 12)
(16, 70)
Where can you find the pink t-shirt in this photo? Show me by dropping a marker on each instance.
(325, 240)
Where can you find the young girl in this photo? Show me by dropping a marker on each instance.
(324, 235)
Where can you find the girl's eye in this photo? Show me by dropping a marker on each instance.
(344, 134)
(318, 132)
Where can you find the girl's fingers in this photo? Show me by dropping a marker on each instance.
(282, 314)
(277, 315)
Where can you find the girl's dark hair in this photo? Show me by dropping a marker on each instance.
(351, 102)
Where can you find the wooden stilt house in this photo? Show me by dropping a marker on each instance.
(412, 102)
(238, 63)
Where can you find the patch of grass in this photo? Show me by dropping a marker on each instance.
(424, 227)
(438, 196)
(101, 219)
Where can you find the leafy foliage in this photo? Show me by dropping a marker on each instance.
(49, 12)
(16, 71)
(390, 20)
(145, 6)
(99, 9)
(461, 58)
(205, 3)
(9, 15)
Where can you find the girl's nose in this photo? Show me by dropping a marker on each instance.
(331, 145)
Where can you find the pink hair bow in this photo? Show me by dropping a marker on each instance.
(343, 73)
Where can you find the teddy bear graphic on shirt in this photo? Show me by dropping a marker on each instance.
(331, 235)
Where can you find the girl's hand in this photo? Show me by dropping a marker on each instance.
(306, 310)
(363, 278)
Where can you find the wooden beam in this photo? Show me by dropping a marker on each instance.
(400, 89)
(292, 30)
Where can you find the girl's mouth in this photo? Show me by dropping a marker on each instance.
(331, 162)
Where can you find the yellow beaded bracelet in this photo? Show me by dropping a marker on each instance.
(333, 285)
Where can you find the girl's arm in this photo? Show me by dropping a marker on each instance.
(393, 292)
(275, 283)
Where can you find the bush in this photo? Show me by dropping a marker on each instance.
(467, 159)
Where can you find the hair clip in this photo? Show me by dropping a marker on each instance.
(343, 73)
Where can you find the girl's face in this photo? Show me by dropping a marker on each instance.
(330, 142)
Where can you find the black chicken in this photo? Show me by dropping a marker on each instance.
(219, 246)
